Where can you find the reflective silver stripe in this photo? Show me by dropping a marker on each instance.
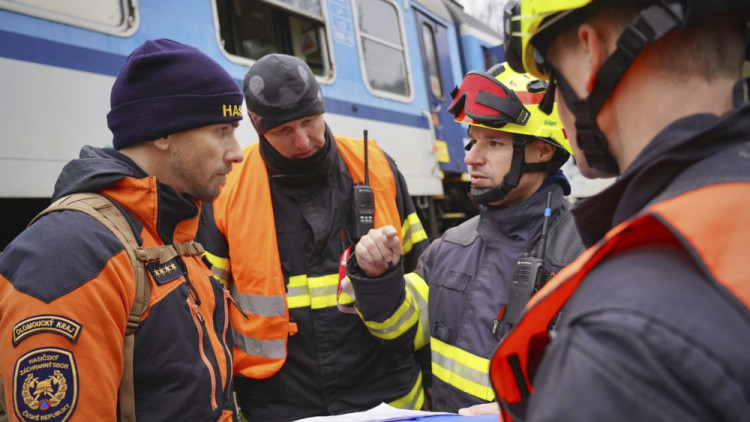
(267, 306)
(424, 313)
(451, 365)
(323, 296)
(316, 292)
(264, 348)
(412, 232)
(401, 320)
(414, 399)
(417, 400)
(461, 370)
(298, 295)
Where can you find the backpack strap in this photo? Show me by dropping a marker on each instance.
(105, 212)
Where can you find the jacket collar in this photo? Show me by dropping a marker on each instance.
(681, 144)
(153, 206)
(300, 172)
(522, 222)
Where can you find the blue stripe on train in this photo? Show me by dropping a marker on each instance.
(37, 50)
(52, 53)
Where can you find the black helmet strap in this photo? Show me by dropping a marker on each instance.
(652, 23)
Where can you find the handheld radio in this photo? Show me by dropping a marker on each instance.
(529, 274)
(363, 203)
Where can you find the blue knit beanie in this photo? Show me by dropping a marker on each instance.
(280, 88)
(166, 87)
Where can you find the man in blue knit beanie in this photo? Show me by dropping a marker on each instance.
(68, 288)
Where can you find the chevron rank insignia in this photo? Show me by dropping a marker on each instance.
(166, 272)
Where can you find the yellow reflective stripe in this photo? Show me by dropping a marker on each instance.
(412, 232)
(414, 399)
(344, 298)
(298, 294)
(323, 290)
(397, 324)
(461, 369)
(220, 267)
(418, 288)
(315, 292)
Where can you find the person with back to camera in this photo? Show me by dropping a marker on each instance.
(69, 291)
(655, 321)
(466, 278)
(281, 226)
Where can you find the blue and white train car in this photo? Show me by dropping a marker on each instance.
(387, 66)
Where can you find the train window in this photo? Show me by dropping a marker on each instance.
(490, 58)
(117, 17)
(309, 7)
(436, 82)
(382, 46)
(253, 28)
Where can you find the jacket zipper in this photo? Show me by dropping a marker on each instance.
(193, 292)
(198, 319)
(224, 336)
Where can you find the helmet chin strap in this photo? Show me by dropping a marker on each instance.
(653, 22)
(518, 166)
(590, 138)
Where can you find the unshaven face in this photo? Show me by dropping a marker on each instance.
(201, 158)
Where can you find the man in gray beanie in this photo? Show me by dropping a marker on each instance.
(70, 293)
(287, 220)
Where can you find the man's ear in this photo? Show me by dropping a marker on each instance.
(545, 151)
(163, 143)
(538, 151)
(593, 48)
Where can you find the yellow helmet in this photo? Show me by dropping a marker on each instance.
(531, 25)
(501, 99)
(530, 22)
(523, 20)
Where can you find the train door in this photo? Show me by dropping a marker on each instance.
(433, 38)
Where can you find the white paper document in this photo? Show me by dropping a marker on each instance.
(381, 413)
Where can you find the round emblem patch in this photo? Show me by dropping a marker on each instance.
(45, 385)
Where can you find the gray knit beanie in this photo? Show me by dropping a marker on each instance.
(281, 88)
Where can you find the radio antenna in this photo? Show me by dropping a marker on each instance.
(547, 213)
(367, 171)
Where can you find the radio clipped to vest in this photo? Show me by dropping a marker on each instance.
(529, 275)
(363, 201)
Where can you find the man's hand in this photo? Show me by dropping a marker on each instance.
(378, 251)
(481, 409)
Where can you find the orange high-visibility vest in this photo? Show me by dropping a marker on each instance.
(712, 223)
(244, 215)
